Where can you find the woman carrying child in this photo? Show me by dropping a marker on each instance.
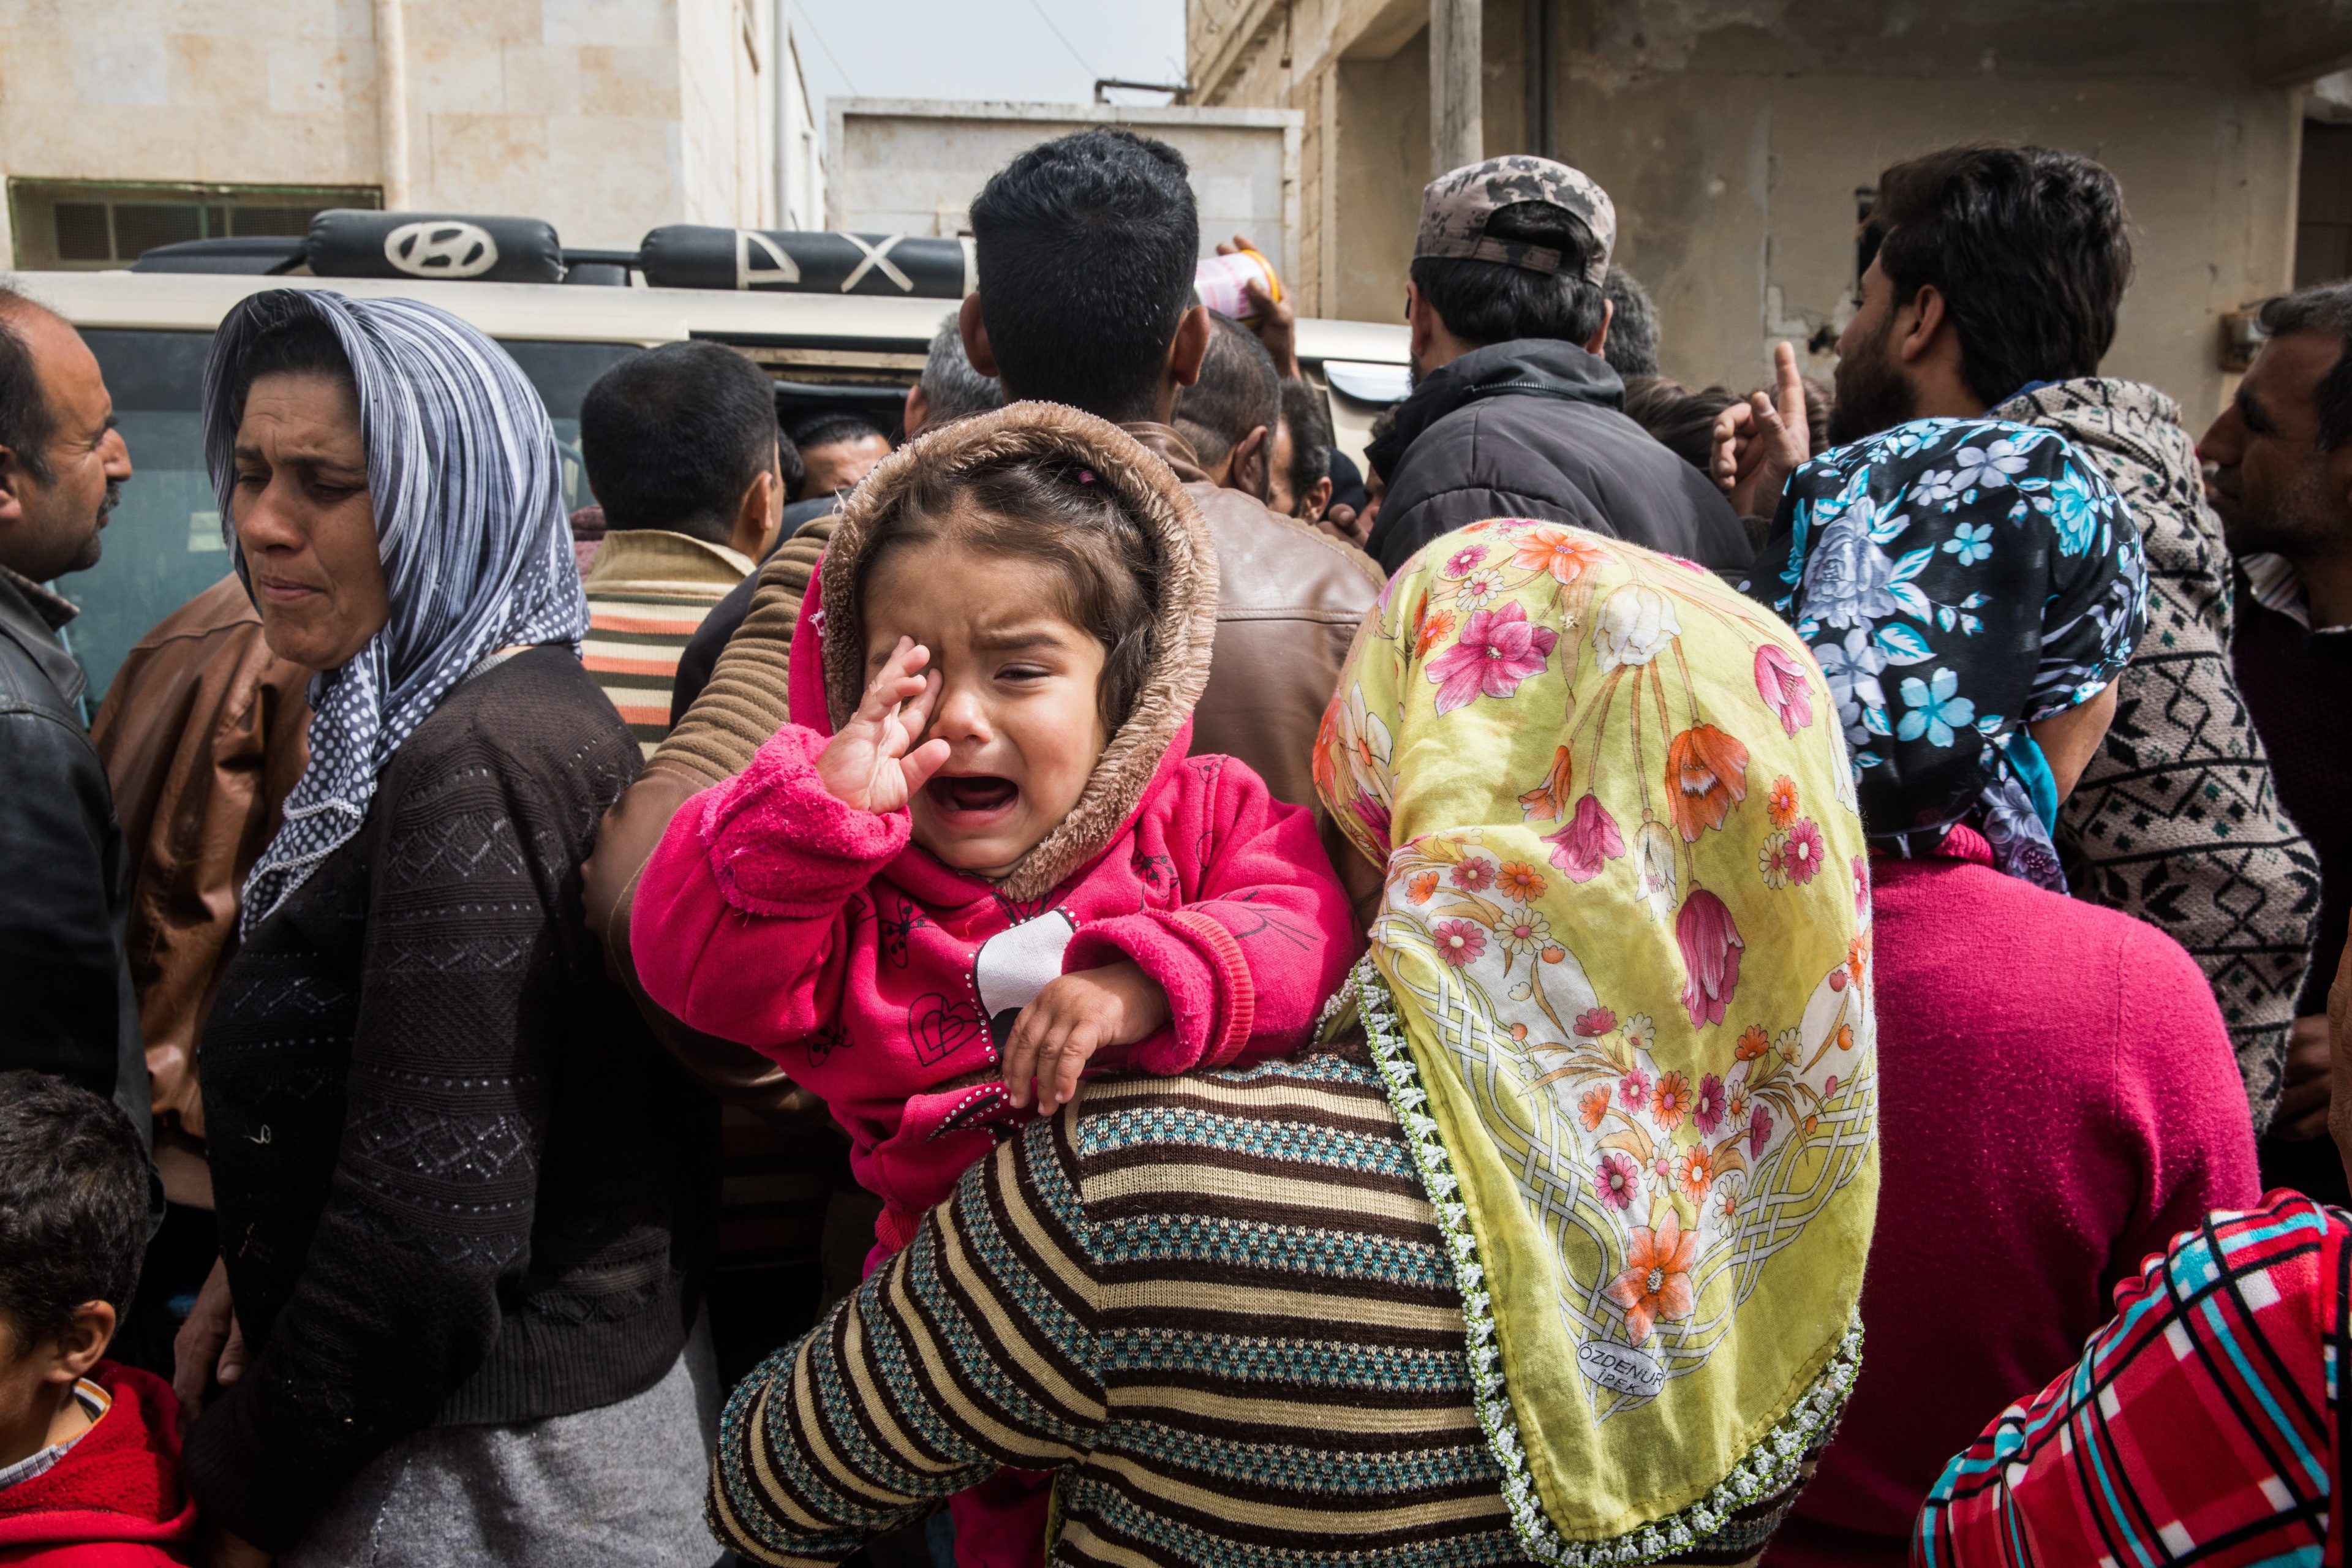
(979, 858)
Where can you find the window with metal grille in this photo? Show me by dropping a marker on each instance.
(82, 225)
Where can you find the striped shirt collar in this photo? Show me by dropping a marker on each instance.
(2277, 585)
(94, 1401)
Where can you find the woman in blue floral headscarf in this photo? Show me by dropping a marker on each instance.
(1960, 580)
(2056, 1087)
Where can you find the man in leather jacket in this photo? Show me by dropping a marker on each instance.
(62, 463)
(1085, 247)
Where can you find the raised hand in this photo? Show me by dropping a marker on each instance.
(1277, 324)
(872, 762)
(1074, 1017)
(1759, 442)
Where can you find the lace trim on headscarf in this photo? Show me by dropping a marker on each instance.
(1774, 1464)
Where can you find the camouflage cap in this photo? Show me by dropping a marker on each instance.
(1454, 208)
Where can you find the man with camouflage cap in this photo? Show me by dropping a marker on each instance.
(1513, 413)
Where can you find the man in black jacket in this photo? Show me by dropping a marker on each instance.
(62, 463)
(1514, 411)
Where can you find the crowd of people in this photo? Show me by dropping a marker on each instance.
(1652, 976)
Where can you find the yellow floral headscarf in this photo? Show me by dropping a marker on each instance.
(1620, 987)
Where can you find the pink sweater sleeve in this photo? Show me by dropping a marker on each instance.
(739, 921)
(1248, 963)
(2179, 1095)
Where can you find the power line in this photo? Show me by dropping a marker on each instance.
(803, 13)
(1040, 9)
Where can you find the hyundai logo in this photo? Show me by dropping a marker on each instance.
(441, 247)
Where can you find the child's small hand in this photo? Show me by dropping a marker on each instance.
(1075, 1016)
(870, 764)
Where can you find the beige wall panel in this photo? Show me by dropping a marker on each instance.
(214, 70)
(610, 22)
(477, 21)
(609, 180)
(549, 78)
(1735, 200)
(1384, 121)
(485, 162)
(457, 76)
(634, 82)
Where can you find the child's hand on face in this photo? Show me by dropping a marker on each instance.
(868, 763)
(1075, 1016)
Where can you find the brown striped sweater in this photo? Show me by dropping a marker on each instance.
(647, 595)
(1220, 1305)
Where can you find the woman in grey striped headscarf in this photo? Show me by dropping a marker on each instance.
(459, 1189)
(469, 528)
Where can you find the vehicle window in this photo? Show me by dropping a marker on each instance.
(164, 545)
(564, 373)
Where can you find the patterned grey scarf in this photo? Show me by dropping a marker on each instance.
(463, 476)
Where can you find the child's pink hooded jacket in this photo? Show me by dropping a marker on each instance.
(886, 982)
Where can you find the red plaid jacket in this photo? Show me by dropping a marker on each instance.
(2206, 1422)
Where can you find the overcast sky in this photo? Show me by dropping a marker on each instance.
(1043, 51)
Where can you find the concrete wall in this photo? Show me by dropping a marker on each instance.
(605, 117)
(1733, 134)
(1357, 71)
(1734, 162)
(913, 165)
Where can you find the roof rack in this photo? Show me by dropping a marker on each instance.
(254, 257)
(352, 242)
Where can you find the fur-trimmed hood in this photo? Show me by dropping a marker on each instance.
(1184, 625)
(2132, 433)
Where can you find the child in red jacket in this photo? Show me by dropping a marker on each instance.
(978, 859)
(1000, 865)
(90, 1451)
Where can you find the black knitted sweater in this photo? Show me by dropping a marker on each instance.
(459, 1181)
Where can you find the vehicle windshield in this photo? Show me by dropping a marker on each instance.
(164, 545)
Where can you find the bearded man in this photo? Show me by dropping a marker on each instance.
(1992, 295)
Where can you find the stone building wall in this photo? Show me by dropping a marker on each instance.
(1734, 135)
(605, 117)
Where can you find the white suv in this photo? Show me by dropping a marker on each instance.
(152, 330)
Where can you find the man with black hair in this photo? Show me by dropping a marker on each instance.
(89, 1450)
(2279, 467)
(1302, 454)
(1992, 293)
(62, 466)
(683, 455)
(1632, 344)
(1514, 411)
(838, 449)
(1085, 247)
(1992, 268)
(1229, 413)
